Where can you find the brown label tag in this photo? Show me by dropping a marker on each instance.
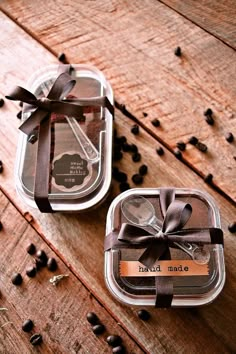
(175, 268)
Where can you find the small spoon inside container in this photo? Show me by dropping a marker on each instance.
(139, 211)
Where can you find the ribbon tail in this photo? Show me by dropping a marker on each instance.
(152, 253)
(164, 286)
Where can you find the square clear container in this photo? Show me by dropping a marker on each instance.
(189, 291)
(81, 152)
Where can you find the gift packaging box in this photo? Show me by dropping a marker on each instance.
(65, 146)
(164, 248)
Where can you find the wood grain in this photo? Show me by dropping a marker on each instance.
(133, 43)
(58, 312)
(218, 18)
(206, 330)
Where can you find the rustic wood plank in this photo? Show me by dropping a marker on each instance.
(59, 312)
(173, 331)
(145, 73)
(218, 18)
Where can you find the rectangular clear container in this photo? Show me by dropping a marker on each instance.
(81, 152)
(194, 290)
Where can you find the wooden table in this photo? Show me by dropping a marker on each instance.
(133, 43)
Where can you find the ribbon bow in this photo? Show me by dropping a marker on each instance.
(41, 117)
(175, 214)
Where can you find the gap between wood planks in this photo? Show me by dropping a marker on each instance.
(60, 256)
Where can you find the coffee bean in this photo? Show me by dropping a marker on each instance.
(1, 226)
(52, 264)
(0, 162)
(229, 137)
(208, 178)
(181, 145)
(125, 147)
(16, 279)
(143, 170)
(135, 129)
(122, 139)
(21, 104)
(92, 318)
(19, 115)
(193, 140)
(201, 147)
(39, 263)
(209, 120)
(42, 255)
(144, 315)
(137, 179)
(1, 168)
(61, 57)
(98, 329)
(32, 138)
(133, 148)
(114, 340)
(121, 177)
(145, 114)
(36, 339)
(232, 227)
(118, 350)
(31, 249)
(177, 154)
(1, 102)
(117, 155)
(31, 272)
(124, 186)
(136, 157)
(160, 151)
(155, 122)
(208, 112)
(27, 326)
(178, 52)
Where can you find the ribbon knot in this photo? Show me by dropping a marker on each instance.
(44, 103)
(160, 236)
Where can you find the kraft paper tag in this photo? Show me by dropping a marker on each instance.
(165, 268)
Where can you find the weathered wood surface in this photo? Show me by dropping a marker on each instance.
(207, 330)
(58, 312)
(216, 17)
(133, 43)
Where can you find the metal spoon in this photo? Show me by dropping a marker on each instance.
(139, 211)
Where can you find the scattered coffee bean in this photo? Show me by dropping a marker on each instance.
(42, 255)
(124, 186)
(208, 112)
(208, 178)
(145, 114)
(118, 350)
(39, 263)
(201, 147)
(114, 340)
(209, 120)
(114, 132)
(232, 227)
(121, 177)
(137, 178)
(178, 52)
(98, 329)
(160, 151)
(125, 147)
(31, 249)
(19, 115)
(52, 264)
(155, 122)
(1, 102)
(32, 138)
(143, 170)
(178, 154)
(144, 315)
(136, 157)
(229, 137)
(21, 104)
(135, 129)
(181, 145)
(92, 318)
(17, 279)
(1, 226)
(193, 140)
(1, 168)
(61, 57)
(122, 139)
(36, 339)
(117, 155)
(27, 326)
(31, 272)
(133, 148)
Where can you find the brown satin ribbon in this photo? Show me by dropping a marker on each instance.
(53, 103)
(175, 214)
